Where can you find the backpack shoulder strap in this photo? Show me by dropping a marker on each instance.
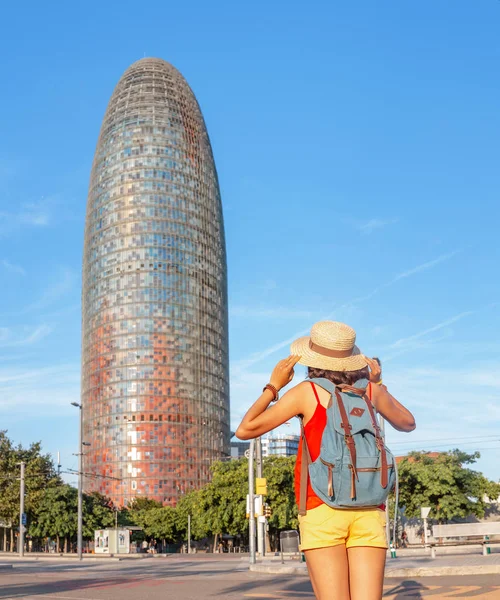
(378, 434)
(349, 441)
(304, 471)
(326, 384)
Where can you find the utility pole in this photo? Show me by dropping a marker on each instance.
(251, 496)
(116, 531)
(260, 525)
(80, 483)
(387, 513)
(22, 516)
(189, 534)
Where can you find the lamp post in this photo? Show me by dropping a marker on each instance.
(251, 497)
(22, 515)
(80, 482)
(261, 520)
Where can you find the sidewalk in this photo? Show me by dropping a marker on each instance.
(404, 566)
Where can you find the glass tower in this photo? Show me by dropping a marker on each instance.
(155, 390)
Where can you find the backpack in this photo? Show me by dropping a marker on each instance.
(354, 468)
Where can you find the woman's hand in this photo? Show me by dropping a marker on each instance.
(375, 370)
(283, 372)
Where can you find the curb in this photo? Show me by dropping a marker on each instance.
(285, 569)
(16, 559)
(442, 571)
(390, 573)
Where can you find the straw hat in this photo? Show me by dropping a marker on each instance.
(330, 346)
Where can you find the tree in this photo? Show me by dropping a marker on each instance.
(220, 507)
(56, 515)
(98, 513)
(139, 509)
(279, 472)
(191, 505)
(222, 503)
(442, 482)
(40, 475)
(161, 523)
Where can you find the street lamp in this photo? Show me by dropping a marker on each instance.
(80, 482)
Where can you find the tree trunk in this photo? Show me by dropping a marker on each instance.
(65, 545)
(11, 539)
(215, 542)
(57, 544)
(5, 539)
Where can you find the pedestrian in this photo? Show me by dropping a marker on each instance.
(404, 539)
(345, 548)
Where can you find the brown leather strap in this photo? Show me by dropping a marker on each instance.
(349, 440)
(352, 390)
(384, 477)
(304, 471)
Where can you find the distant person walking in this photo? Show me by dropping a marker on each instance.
(343, 472)
(404, 539)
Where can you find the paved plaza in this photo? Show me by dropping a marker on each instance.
(181, 578)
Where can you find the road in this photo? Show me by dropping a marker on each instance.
(181, 578)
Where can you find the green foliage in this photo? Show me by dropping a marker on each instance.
(191, 504)
(279, 471)
(139, 509)
(445, 484)
(222, 503)
(160, 524)
(40, 475)
(56, 514)
(98, 513)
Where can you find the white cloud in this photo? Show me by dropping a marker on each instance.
(404, 341)
(35, 214)
(257, 357)
(370, 226)
(12, 268)
(64, 282)
(10, 337)
(38, 390)
(268, 313)
(425, 266)
(38, 214)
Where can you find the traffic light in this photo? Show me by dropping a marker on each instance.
(261, 486)
(267, 511)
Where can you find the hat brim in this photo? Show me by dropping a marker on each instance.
(310, 358)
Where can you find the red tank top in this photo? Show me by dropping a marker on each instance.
(314, 432)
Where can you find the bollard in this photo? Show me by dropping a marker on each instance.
(302, 557)
(433, 551)
(486, 546)
(393, 550)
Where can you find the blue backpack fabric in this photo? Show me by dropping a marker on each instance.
(354, 468)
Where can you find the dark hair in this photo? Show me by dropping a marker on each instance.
(339, 377)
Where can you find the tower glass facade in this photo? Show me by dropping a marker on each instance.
(155, 390)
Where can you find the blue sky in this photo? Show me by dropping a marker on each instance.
(357, 147)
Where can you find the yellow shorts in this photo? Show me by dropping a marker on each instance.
(324, 526)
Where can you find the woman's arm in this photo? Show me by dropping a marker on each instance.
(392, 410)
(260, 419)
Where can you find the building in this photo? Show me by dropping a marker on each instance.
(155, 389)
(280, 445)
(238, 449)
